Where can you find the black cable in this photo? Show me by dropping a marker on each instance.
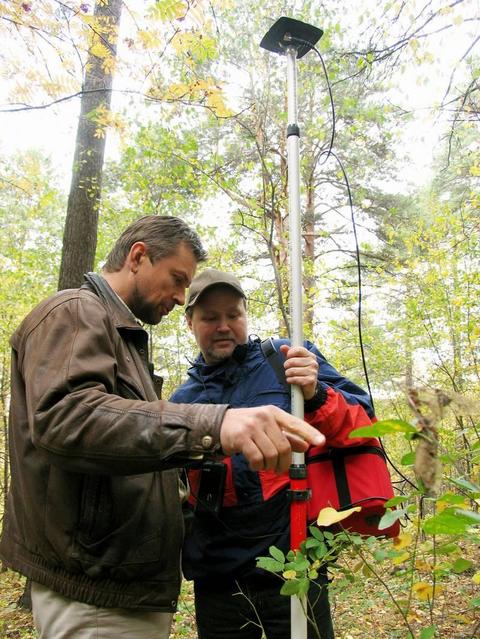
(359, 278)
(330, 93)
(357, 247)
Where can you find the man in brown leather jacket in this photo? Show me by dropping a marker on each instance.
(94, 513)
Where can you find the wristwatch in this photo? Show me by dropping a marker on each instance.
(318, 399)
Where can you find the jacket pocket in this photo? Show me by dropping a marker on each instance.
(96, 510)
(129, 526)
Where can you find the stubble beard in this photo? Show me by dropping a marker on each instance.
(216, 355)
(144, 311)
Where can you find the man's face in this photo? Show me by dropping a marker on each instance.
(159, 286)
(219, 323)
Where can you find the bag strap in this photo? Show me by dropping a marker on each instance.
(334, 453)
(337, 457)
(273, 358)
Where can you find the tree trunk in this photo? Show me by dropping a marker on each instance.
(4, 393)
(80, 233)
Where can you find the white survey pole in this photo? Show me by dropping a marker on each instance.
(294, 39)
(298, 619)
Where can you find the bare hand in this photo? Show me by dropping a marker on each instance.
(266, 436)
(301, 368)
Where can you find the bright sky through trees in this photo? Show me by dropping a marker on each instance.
(416, 90)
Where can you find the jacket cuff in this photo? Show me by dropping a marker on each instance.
(318, 400)
(204, 438)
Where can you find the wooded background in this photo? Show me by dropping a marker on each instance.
(179, 112)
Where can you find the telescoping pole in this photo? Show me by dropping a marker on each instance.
(298, 474)
(294, 39)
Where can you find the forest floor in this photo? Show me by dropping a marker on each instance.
(362, 609)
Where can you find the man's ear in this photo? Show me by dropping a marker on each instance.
(137, 253)
(188, 319)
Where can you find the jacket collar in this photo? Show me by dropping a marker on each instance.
(122, 316)
(241, 355)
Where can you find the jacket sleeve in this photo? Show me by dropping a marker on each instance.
(329, 376)
(346, 407)
(336, 418)
(68, 362)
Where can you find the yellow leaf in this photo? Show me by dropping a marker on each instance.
(216, 103)
(461, 619)
(425, 591)
(176, 91)
(289, 574)
(402, 541)
(149, 39)
(476, 578)
(423, 566)
(328, 516)
(400, 559)
(99, 50)
(367, 571)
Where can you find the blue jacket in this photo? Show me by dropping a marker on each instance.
(255, 512)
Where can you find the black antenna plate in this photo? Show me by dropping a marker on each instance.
(282, 34)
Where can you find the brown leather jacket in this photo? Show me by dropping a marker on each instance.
(89, 514)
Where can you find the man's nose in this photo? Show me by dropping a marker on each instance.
(223, 326)
(179, 297)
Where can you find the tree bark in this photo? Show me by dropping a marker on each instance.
(81, 224)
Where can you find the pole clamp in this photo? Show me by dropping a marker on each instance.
(299, 495)
(293, 129)
(297, 471)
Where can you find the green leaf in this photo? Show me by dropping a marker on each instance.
(277, 553)
(408, 459)
(461, 565)
(473, 516)
(384, 427)
(467, 485)
(380, 555)
(475, 603)
(290, 587)
(394, 501)
(446, 549)
(389, 518)
(451, 498)
(299, 565)
(303, 587)
(270, 564)
(316, 532)
(311, 542)
(448, 522)
(321, 551)
(428, 633)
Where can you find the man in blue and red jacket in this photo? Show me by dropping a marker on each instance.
(237, 513)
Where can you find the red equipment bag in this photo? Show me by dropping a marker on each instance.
(343, 478)
(346, 477)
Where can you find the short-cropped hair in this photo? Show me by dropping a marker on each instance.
(161, 234)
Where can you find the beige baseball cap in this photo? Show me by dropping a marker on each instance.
(211, 277)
